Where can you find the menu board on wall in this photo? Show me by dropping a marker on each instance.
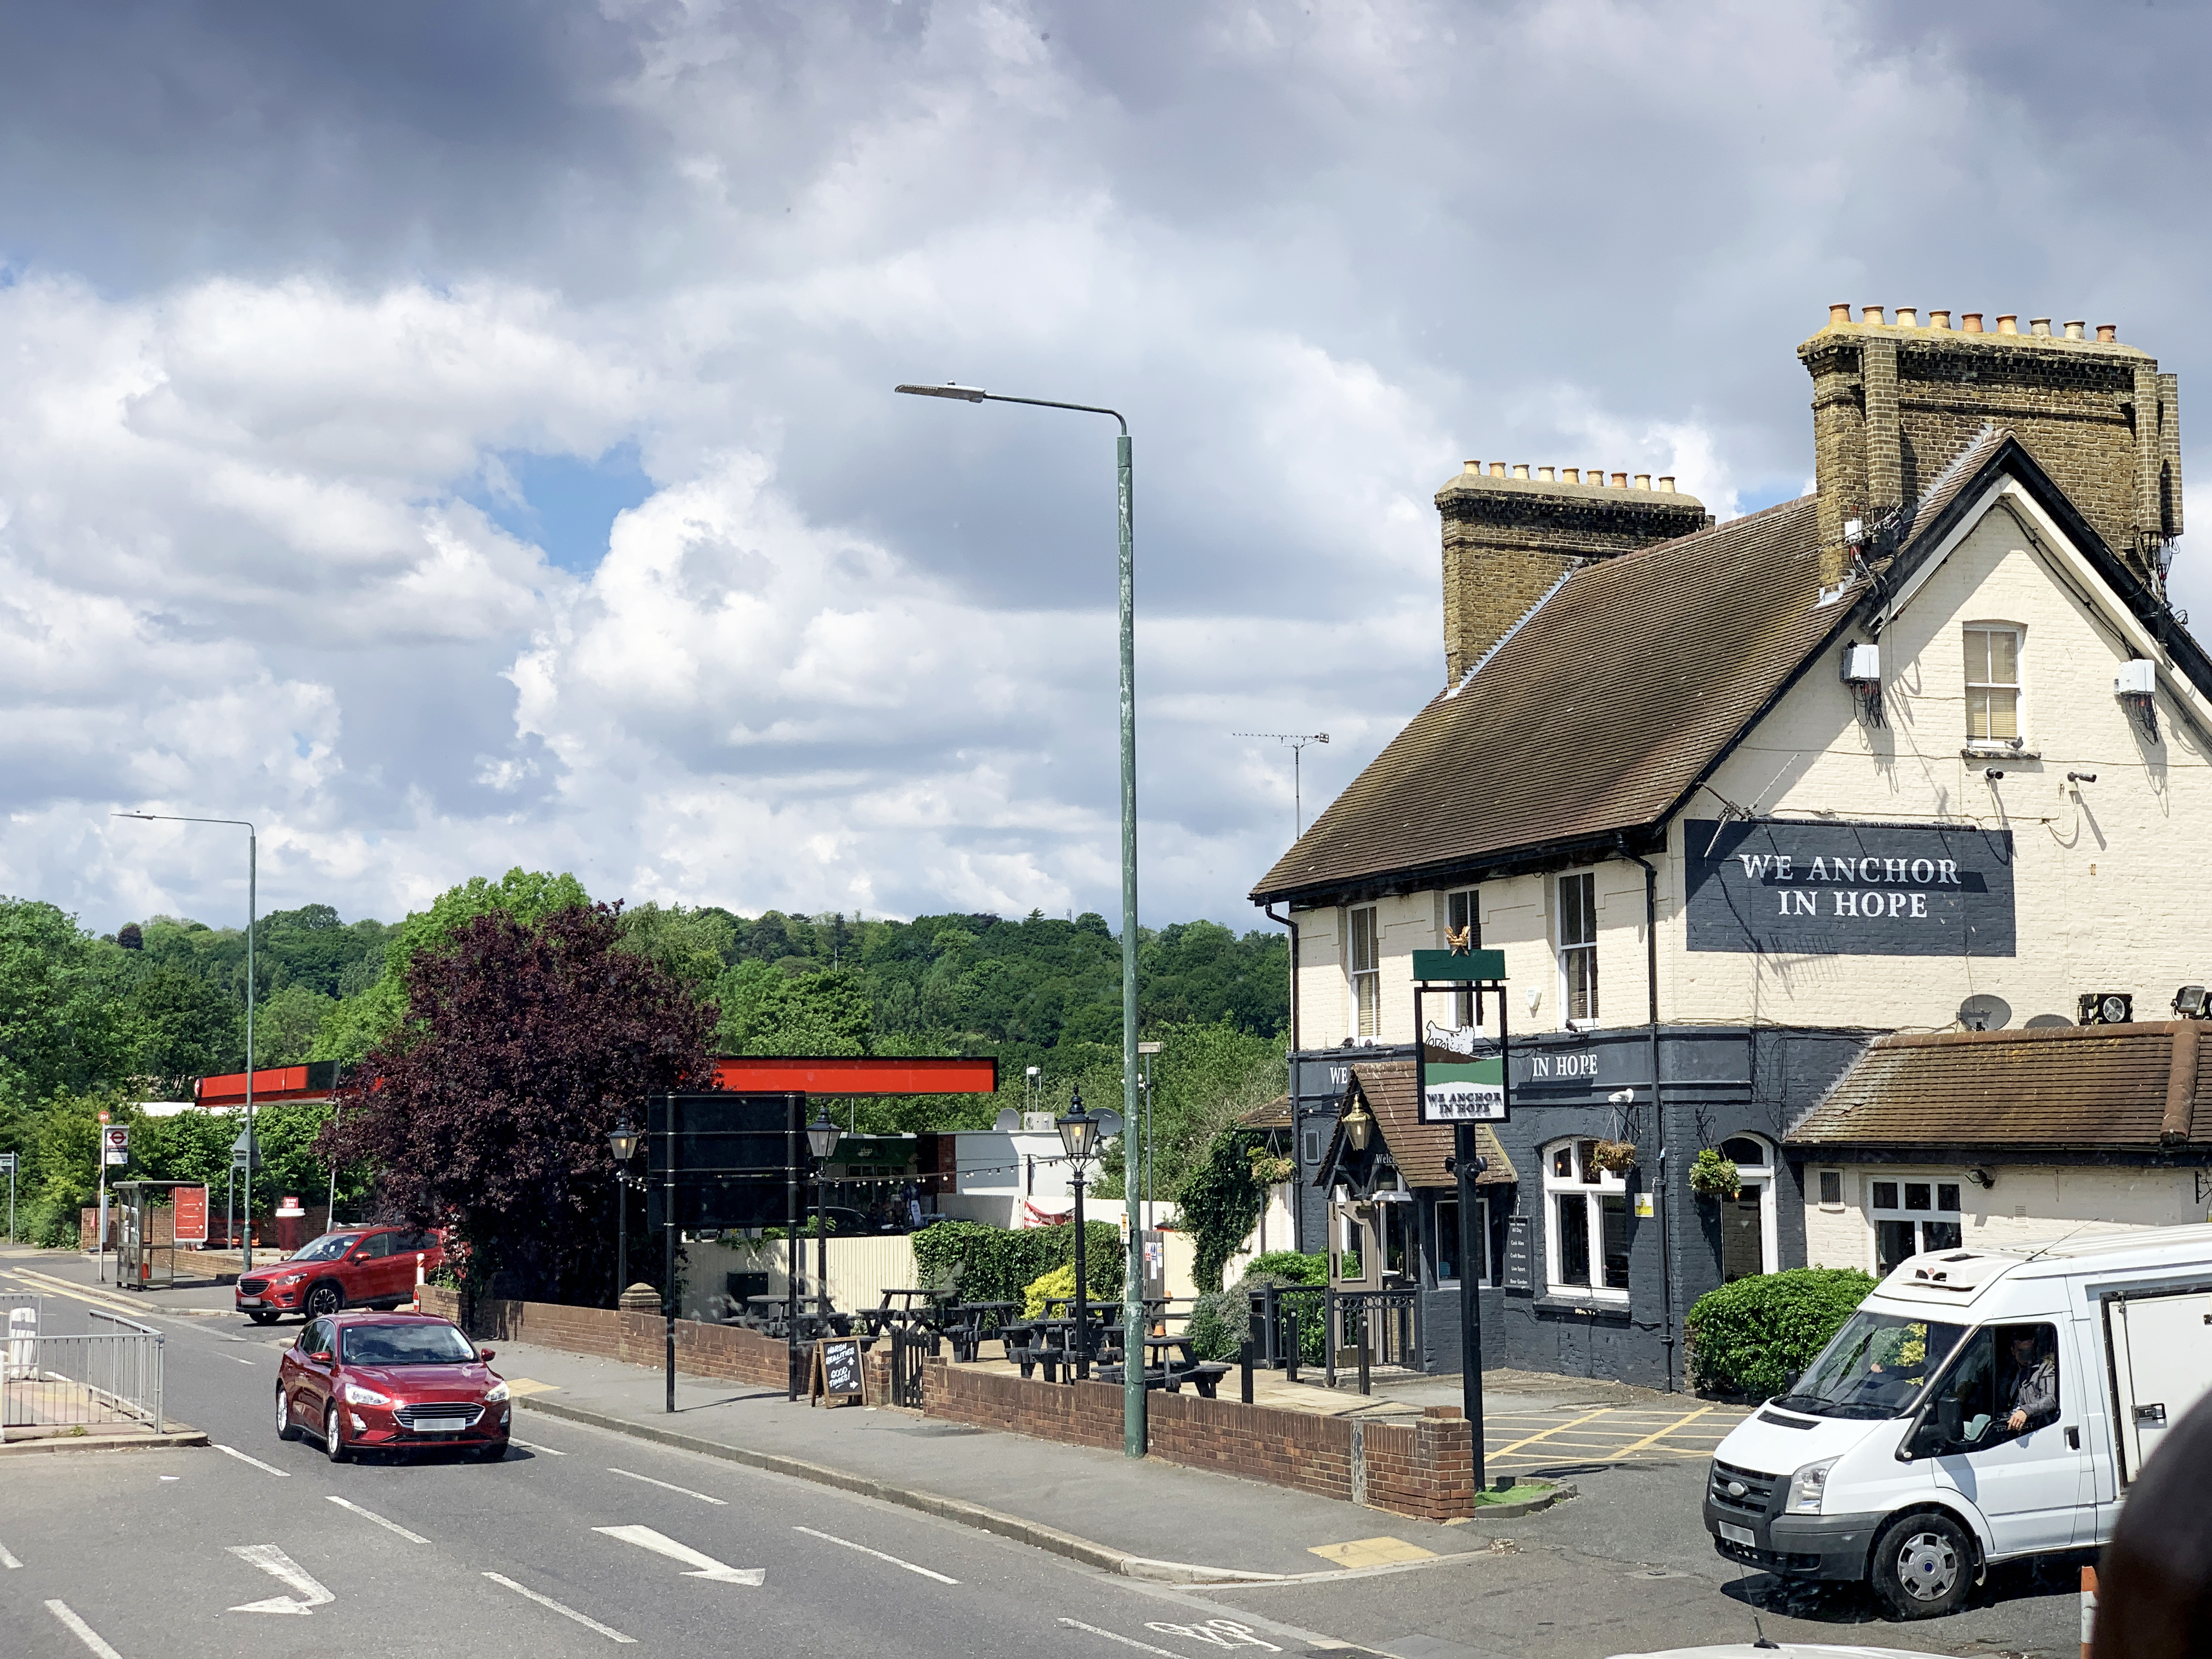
(1520, 1268)
(1872, 889)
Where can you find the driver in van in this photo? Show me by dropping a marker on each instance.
(2032, 1390)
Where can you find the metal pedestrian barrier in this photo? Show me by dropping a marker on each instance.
(49, 1382)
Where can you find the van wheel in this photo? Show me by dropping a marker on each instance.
(1923, 1565)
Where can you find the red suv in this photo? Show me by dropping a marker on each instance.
(359, 1267)
(390, 1381)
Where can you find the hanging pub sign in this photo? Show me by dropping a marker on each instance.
(1872, 889)
(1461, 1072)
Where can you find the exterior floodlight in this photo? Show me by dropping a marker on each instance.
(1078, 1131)
(624, 1142)
(1358, 1128)
(2192, 1002)
(822, 1135)
(966, 394)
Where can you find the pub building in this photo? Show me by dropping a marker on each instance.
(1849, 839)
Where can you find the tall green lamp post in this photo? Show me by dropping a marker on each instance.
(1133, 1288)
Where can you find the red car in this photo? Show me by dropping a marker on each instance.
(356, 1268)
(390, 1381)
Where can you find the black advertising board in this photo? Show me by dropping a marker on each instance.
(1520, 1270)
(838, 1373)
(1870, 889)
(732, 1154)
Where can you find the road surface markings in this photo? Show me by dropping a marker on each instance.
(240, 1357)
(371, 1515)
(1125, 1641)
(532, 1445)
(1218, 1633)
(83, 1632)
(831, 1538)
(1680, 1423)
(286, 1571)
(650, 1481)
(110, 1301)
(7, 1560)
(281, 1475)
(607, 1631)
(703, 1566)
(1545, 1434)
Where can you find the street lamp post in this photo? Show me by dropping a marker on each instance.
(1133, 1290)
(623, 1141)
(821, 1137)
(252, 861)
(1079, 1138)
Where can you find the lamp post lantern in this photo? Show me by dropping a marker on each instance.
(1132, 1285)
(821, 1137)
(253, 862)
(1079, 1138)
(622, 1142)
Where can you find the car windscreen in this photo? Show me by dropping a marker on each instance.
(329, 1248)
(1875, 1367)
(404, 1345)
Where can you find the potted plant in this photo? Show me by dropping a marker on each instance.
(1614, 1157)
(1713, 1176)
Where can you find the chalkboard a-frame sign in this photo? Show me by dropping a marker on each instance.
(837, 1375)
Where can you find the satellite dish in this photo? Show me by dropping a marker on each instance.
(1007, 1121)
(2047, 1022)
(1984, 1011)
(1109, 1124)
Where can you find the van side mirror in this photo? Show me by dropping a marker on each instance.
(1927, 1439)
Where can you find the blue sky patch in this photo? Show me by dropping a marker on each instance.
(568, 505)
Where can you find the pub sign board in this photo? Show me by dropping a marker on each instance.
(1464, 1089)
(1869, 890)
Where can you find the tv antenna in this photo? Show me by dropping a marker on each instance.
(1297, 741)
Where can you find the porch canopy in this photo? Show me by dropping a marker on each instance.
(1402, 1142)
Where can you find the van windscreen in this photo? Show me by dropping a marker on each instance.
(1875, 1367)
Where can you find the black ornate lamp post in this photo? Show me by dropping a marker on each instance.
(624, 1143)
(822, 1137)
(1078, 1137)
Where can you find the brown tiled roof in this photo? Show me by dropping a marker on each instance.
(2086, 1088)
(1275, 1114)
(1598, 715)
(1418, 1149)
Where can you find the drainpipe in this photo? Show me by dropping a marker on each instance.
(1290, 1073)
(1662, 1190)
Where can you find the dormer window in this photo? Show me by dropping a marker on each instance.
(1993, 686)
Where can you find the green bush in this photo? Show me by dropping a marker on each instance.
(1752, 1336)
(1291, 1267)
(978, 1262)
(1060, 1281)
(1221, 1320)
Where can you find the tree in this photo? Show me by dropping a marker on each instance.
(58, 1003)
(284, 1027)
(179, 1028)
(524, 1044)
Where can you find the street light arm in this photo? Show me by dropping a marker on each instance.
(973, 394)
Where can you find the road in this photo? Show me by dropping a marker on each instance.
(585, 1540)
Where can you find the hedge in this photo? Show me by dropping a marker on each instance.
(979, 1262)
(1752, 1336)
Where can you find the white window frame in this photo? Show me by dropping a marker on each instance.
(1769, 1247)
(2017, 685)
(1877, 1212)
(1568, 1020)
(1365, 983)
(1591, 1185)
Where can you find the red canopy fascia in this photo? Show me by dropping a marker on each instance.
(872, 1075)
(271, 1083)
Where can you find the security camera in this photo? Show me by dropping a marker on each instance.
(1994, 775)
(1621, 1097)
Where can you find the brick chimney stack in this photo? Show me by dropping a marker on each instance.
(1894, 403)
(1507, 540)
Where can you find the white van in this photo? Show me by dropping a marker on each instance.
(1980, 1406)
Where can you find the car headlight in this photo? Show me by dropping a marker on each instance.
(357, 1396)
(1807, 1487)
(497, 1394)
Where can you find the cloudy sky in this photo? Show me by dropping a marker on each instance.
(461, 436)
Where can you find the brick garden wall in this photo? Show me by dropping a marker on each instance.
(726, 1351)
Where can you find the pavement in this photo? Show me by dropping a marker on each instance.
(157, 1552)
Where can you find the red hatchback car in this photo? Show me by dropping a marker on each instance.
(362, 1382)
(354, 1267)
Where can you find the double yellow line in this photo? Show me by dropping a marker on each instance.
(108, 1301)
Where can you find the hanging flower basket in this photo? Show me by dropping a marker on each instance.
(1614, 1157)
(1713, 1176)
(1271, 1171)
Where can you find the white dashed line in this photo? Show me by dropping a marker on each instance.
(7, 1561)
(83, 1632)
(1127, 1642)
(532, 1445)
(371, 1515)
(240, 1357)
(267, 1468)
(607, 1631)
(650, 1481)
(830, 1538)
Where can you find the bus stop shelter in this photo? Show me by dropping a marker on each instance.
(146, 1253)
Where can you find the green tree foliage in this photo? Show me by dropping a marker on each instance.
(981, 1263)
(1752, 1336)
(59, 1024)
(1220, 1203)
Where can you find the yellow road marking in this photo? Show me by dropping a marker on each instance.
(108, 1301)
(1371, 1552)
(1574, 1422)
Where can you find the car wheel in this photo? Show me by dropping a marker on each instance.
(1923, 1565)
(259, 1318)
(333, 1446)
(325, 1300)
(492, 1453)
(286, 1429)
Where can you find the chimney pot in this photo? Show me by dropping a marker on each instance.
(1939, 319)
(2009, 322)
(1620, 481)
(1597, 476)
(2077, 330)
(1870, 313)
(1544, 475)
(1473, 466)
(1520, 469)
(2040, 327)
(1498, 469)
(1908, 316)
(1571, 474)
(1643, 481)
(1666, 484)
(1839, 313)
(2108, 332)
(1971, 322)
